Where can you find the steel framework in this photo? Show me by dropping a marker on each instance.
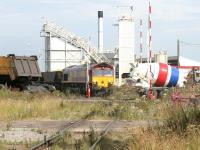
(51, 29)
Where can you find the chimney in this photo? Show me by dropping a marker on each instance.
(100, 31)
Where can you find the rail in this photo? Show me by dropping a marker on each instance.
(103, 133)
(52, 140)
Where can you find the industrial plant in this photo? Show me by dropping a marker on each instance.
(82, 95)
(91, 69)
(63, 48)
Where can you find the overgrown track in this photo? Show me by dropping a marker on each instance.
(103, 133)
(52, 140)
(47, 143)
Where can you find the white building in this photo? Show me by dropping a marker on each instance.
(60, 54)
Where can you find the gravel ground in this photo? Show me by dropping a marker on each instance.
(16, 135)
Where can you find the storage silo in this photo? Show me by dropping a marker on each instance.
(126, 45)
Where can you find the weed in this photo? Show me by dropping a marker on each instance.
(181, 118)
(62, 104)
(2, 145)
(8, 125)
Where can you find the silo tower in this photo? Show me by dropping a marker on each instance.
(126, 43)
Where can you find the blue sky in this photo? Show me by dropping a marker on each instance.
(21, 22)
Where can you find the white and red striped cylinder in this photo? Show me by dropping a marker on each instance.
(163, 75)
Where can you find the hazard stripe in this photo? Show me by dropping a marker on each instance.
(169, 75)
(162, 75)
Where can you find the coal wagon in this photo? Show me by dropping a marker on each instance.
(22, 73)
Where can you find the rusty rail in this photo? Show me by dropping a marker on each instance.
(103, 133)
(53, 139)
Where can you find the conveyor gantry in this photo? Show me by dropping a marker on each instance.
(53, 29)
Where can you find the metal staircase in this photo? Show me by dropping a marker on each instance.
(58, 31)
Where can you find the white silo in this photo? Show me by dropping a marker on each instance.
(126, 44)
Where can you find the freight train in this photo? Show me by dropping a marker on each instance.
(74, 79)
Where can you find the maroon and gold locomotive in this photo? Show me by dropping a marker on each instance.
(101, 78)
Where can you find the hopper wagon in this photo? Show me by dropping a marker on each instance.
(20, 72)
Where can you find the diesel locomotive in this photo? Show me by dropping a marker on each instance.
(73, 79)
(100, 76)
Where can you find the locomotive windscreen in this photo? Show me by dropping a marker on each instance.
(108, 73)
(102, 72)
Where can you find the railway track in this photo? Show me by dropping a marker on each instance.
(47, 143)
(103, 133)
(53, 139)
